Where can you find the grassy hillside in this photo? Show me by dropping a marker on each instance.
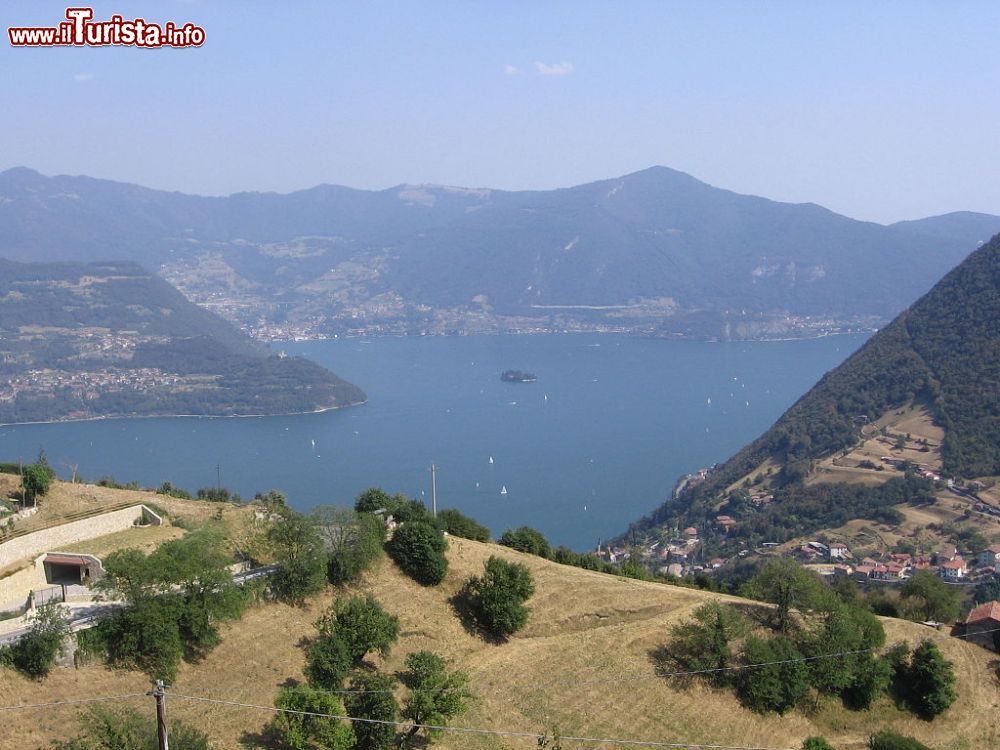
(583, 663)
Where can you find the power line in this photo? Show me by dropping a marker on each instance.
(471, 730)
(78, 701)
(662, 675)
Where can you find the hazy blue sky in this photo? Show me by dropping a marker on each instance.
(880, 110)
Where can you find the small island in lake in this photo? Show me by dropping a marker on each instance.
(516, 376)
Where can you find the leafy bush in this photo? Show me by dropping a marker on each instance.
(373, 499)
(353, 541)
(704, 642)
(418, 548)
(816, 743)
(363, 626)
(127, 729)
(527, 539)
(301, 561)
(497, 598)
(373, 699)
(459, 524)
(931, 680)
(436, 695)
(888, 740)
(302, 731)
(327, 662)
(772, 686)
(35, 653)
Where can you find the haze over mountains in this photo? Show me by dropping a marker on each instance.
(656, 251)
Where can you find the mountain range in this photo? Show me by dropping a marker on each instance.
(657, 252)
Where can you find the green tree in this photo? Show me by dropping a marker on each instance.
(373, 499)
(127, 729)
(931, 680)
(273, 501)
(327, 662)
(788, 585)
(37, 650)
(889, 740)
(302, 731)
(704, 643)
(816, 743)
(778, 681)
(176, 597)
(930, 598)
(35, 482)
(418, 548)
(436, 695)
(352, 541)
(872, 677)
(459, 524)
(844, 630)
(987, 591)
(298, 549)
(362, 624)
(497, 597)
(373, 699)
(527, 539)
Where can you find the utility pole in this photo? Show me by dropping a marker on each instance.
(434, 492)
(218, 478)
(161, 714)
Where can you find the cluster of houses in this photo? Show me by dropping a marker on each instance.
(88, 384)
(897, 566)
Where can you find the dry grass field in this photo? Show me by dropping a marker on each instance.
(582, 663)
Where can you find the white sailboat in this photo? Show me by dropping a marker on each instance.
(503, 489)
(491, 459)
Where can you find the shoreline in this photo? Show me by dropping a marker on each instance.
(111, 417)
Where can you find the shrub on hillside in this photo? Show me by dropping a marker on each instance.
(37, 650)
(459, 524)
(302, 730)
(127, 729)
(372, 698)
(527, 539)
(418, 548)
(497, 597)
(780, 680)
(887, 740)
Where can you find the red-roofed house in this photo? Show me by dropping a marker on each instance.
(954, 570)
(983, 623)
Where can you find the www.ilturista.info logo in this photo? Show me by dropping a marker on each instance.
(80, 30)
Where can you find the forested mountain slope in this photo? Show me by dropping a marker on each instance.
(942, 354)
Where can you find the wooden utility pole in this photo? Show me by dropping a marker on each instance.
(160, 695)
(434, 492)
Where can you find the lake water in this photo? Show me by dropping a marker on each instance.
(597, 442)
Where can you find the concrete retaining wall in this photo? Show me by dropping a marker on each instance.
(32, 545)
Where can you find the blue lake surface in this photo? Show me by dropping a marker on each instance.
(597, 442)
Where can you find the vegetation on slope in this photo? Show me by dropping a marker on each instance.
(943, 352)
(110, 339)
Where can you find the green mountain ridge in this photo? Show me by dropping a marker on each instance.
(111, 339)
(943, 352)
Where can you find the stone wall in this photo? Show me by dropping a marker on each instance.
(46, 540)
(14, 588)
